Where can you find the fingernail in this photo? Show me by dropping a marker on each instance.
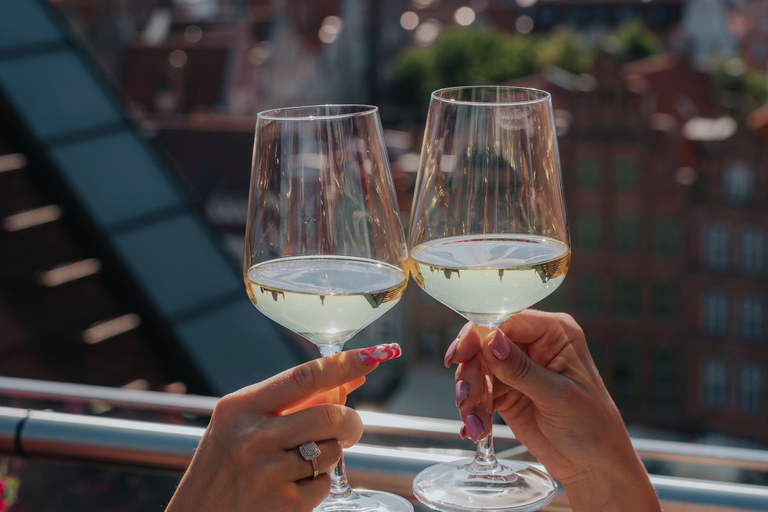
(499, 346)
(449, 353)
(463, 432)
(379, 353)
(462, 390)
(474, 427)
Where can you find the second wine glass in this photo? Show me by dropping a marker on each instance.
(488, 238)
(325, 252)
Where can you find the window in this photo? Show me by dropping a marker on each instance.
(716, 247)
(625, 376)
(657, 15)
(665, 236)
(626, 174)
(554, 301)
(588, 172)
(589, 230)
(753, 250)
(626, 296)
(738, 182)
(589, 293)
(664, 380)
(751, 392)
(715, 383)
(625, 13)
(430, 347)
(715, 320)
(752, 313)
(664, 301)
(626, 234)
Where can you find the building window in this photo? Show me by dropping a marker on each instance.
(715, 321)
(665, 235)
(626, 229)
(753, 250)
(430, 347)
(665, 372)
(626, 296)
(589, 293)
(751, 392)
(752, 313)
(555, 300)
(589, 230)
(715, 383)
(716, 247)
(664, 301)
(625, 376)
(588, 172)
(738, 182)
(626, 174)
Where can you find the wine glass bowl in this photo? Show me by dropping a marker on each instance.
(325, 253)
(488, 238)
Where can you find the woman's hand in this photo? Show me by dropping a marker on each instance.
(547, 389)
(248, 458)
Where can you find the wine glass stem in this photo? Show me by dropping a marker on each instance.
(339, 484)
(485, 458)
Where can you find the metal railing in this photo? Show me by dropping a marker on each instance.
(151, 445)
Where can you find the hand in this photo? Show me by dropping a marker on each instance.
(248, 458)
(547, 389)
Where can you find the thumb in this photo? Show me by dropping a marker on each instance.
(514, 368)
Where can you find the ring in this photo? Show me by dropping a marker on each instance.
(310, 451)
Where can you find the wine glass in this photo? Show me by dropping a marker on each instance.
(325, 252)
(488, 238)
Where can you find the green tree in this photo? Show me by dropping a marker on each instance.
(414, 76)
(636, 41)
(564, 49)
(733, 77)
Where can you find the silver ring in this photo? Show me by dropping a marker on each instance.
(310, 451)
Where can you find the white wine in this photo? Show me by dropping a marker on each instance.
(488, 278)
(326, 299)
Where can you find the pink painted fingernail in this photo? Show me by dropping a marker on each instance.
(379, 353)
(474, 427)
(450, 352)
(462, 390)
(499, 346)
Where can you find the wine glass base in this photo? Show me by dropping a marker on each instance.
(511, 486)
(363, 500)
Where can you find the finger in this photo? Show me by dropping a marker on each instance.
(477, 422)
(499, 388)
(513, 367)
(320, 422)
(467, 344)
(335, 396)
(310, 492)
(295, 467)
(293, 386)
(529, 325)
(506, 401)
(469, 382)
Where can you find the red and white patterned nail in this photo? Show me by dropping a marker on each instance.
(379, 353)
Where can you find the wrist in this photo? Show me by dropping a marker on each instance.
(612, 489)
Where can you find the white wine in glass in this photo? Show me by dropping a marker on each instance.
(488, 238)
(325, 253)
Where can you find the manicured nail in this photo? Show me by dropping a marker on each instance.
(474, 427)
(449, 353)
(499, 346)
(463, 432)
(462, 390)
(379, 353)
